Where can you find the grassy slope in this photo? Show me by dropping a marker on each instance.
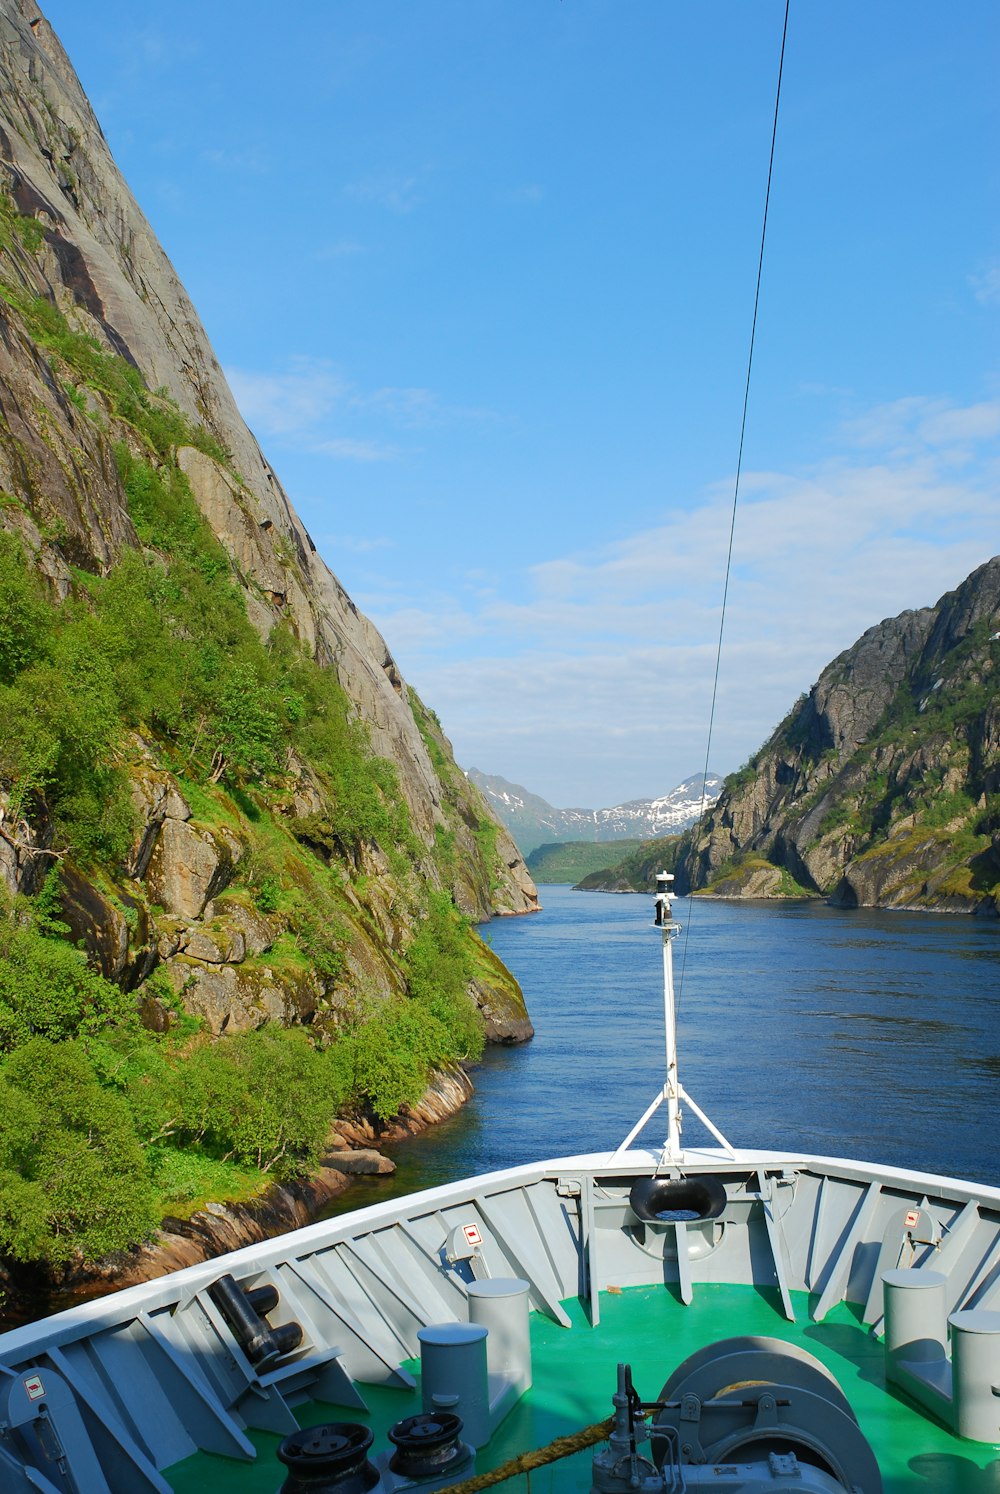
(635, 872)
(568, 861)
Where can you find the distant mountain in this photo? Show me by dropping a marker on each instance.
(533, 821)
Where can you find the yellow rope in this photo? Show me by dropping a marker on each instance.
(562, 1447)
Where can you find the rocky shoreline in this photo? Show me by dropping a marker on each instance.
(28, 1292)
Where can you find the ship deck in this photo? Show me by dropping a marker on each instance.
(650, 1328)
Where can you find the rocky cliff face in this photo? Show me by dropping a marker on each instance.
(78, 261)
(880, 788)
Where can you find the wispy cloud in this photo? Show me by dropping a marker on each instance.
(311, 402)
(527, 194)
(397, 192)
(296, 400)
(416, 408)
(355, 544)
(254, 162)
(409, 407)
(150, 47)
(619, 644)
(339, 249)
(924, 425)
(985, 283)
(347, 449)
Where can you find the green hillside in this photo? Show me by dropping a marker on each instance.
(636, 870)
(568, 861)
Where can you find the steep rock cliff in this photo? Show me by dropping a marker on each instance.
(882, 786)
(78, 261)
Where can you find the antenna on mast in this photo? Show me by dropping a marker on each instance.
(672, 1092)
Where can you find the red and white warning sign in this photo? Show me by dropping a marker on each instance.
(34, 1387)
(912, 1219)
(472, 1235)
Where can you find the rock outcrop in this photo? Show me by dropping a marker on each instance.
(75, 241)
(880, 788)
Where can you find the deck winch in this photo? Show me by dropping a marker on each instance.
(428, 1452)
(743, 1414)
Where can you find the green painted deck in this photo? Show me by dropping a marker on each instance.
(574, 1375)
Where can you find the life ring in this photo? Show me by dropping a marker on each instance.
(659, 1200)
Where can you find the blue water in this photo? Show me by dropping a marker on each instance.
(853, 1034)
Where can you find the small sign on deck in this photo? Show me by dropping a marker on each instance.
(472, 1235)
(34, 1388)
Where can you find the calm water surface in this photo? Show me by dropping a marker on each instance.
(855, 1034)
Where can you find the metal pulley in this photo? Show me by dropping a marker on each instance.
(428, 1445)
(329, 1459)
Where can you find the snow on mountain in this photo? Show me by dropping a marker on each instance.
(533, 821)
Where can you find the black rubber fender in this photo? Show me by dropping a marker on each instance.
(702, 1197)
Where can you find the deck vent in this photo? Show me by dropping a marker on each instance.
(963, 1389)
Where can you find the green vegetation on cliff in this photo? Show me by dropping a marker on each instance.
(105, 1121)
(199, 1043)
(636, 872)
(569, 860)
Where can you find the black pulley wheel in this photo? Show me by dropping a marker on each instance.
(426, 1444)
(328, 1459)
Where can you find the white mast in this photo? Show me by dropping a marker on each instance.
(673, 1092)
(664, 920)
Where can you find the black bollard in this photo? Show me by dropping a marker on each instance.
(262, 1343)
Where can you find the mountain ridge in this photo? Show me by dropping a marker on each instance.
(533, 821)
(881, 786)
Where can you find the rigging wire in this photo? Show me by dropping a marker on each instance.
(739, 469)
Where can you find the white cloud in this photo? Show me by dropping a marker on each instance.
(410, 407)
(339, 249)
(288, 403)
(602, 674)
(348, 449)
(529, 193)
(312, 403)
(986, 284)
(256, 162)
(392, 190)
(919, 424)
(356, 544)
(151, 47)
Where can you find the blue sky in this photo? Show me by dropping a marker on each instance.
(481, 276)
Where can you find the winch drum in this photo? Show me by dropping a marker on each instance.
(746, 1399)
